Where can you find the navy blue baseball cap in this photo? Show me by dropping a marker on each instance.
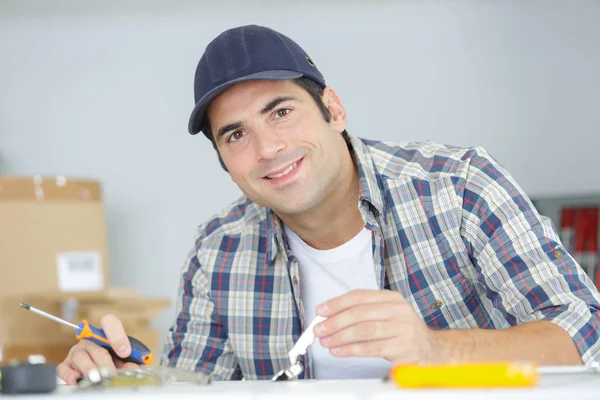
(246, 53)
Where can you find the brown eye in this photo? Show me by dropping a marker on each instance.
(237, 135)
(283, 112)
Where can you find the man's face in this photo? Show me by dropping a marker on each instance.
(276, 144)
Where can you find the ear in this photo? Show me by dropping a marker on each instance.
(334, 104)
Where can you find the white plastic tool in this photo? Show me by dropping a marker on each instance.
(300, 348)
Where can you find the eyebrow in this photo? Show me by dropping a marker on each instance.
(227, 128)
(275, 102)
(269, 107)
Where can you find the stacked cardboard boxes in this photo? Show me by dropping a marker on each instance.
(54, 256)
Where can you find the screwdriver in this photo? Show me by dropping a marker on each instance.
(140, 354)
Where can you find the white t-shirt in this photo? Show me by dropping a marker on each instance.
(325, 274)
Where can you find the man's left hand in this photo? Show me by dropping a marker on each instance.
(374, 323)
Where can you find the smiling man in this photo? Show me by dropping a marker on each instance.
(415, 252)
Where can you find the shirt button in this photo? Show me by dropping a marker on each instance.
(437, 304)
(295, 280)
(558, 254)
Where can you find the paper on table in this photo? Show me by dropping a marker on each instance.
(79, 271)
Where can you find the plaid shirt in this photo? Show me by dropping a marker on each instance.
(452, 232)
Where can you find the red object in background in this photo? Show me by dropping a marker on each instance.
(590, 240)
(594, 241)
(567, 228)
(579, 234)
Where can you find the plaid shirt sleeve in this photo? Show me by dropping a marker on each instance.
(197, 340)
(519, 258)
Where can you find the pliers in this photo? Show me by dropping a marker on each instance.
(305, 340)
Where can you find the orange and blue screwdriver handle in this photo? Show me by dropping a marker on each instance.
(140, 354)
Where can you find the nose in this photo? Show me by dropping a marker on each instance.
(268, 144)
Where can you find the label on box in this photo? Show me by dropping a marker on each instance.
(80, 271)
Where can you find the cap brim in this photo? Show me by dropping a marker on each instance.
(197, 118)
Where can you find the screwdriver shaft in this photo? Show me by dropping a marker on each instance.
(49, 316)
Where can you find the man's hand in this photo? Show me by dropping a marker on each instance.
(85, 355)
(374, 323)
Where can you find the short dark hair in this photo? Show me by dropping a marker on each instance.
(315, 91)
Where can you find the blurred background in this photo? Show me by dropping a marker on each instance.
(101, 92)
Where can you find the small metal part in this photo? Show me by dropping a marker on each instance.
(385, 377)
(289, 373)
(36, 359)
(96, 377)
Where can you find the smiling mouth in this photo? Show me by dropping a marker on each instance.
(284, 172)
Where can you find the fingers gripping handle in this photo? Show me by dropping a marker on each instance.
(140, 354)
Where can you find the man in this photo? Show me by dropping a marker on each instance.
(414, 252)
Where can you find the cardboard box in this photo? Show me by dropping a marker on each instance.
(53, 236)
(136, 313)
(21, 327)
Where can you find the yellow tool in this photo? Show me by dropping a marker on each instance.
(465, 375)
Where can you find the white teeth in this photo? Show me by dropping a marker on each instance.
(287, 171)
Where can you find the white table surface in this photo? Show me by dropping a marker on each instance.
(577, 387)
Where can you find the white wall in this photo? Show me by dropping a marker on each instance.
(104, 90)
